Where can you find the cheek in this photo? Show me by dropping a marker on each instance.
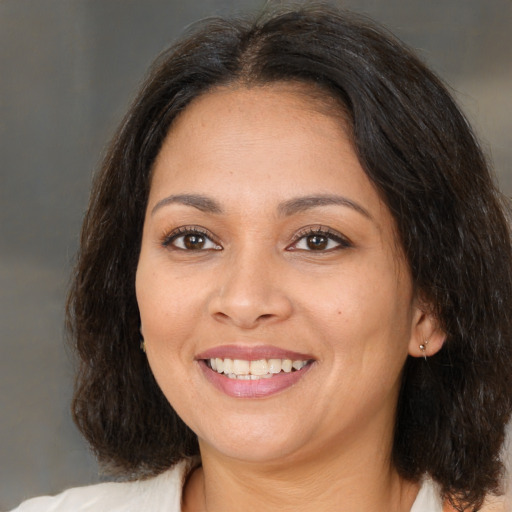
(167, 312)
(360, 313)
(167, 320)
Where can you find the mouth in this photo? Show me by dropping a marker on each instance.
(243, 369)
(253, 372)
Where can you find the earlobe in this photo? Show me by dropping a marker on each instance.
(427, 336)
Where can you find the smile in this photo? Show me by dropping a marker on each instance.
(242, 369)
(254, 378)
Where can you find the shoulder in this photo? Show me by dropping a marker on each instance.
(491, 504)
(160, 493)
(429, 500)
(496, 504)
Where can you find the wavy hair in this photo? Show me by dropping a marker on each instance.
(420, 153)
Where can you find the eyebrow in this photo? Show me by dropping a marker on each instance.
(202, 203)
(290, 207)
(301, 204)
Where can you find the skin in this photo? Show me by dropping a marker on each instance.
(326, 440)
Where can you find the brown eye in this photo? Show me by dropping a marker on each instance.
(317, 242)
(190, 240)
(194, 242)
(320, 240)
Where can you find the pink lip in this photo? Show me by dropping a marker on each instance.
(252, 353)
(260, 388)
(252, 388)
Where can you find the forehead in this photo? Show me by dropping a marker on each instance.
(274, 141)
(305, 97)
(245, 121)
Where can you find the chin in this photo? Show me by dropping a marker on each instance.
(252, 451)
(258, 443)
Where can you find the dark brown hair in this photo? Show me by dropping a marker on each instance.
(418, 150)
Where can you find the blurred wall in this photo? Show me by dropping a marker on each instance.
(68, 69)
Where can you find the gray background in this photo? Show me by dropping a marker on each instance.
(68, 69)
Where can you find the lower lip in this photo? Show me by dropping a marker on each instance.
(260, 388)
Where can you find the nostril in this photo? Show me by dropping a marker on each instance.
(243, 320)
(248, 307)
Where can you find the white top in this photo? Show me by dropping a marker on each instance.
(159, 494)
(428, 499)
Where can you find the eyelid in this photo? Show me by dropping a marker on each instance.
(343, 241)
(169, 237)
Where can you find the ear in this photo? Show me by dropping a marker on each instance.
(427, 337)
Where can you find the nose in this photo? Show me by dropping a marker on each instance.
(250, 292)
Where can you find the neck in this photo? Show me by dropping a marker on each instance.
(357, 482)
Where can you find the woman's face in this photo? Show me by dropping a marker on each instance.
(265, 248)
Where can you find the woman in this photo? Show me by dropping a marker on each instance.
(293, 282)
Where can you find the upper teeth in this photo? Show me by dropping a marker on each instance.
(262, 368)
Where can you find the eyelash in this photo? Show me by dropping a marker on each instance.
(343, 243)
(169, 240)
